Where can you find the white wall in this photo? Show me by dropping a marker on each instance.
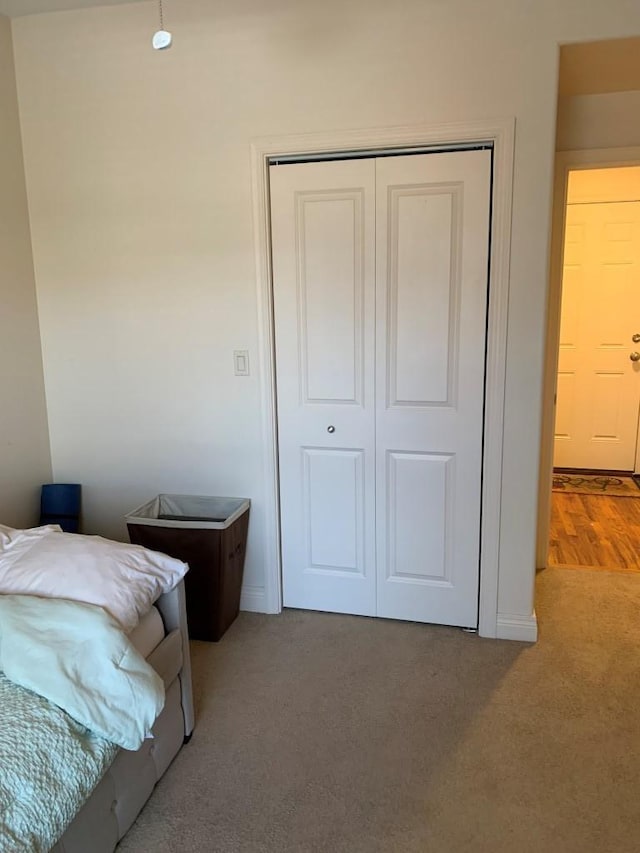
(598, 121)
(25, 461)
(139, 188)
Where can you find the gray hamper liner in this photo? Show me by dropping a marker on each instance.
(195, 511)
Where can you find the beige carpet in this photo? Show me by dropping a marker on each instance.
(330, 733)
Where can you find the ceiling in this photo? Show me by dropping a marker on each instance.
(598, 67)
(14, 8)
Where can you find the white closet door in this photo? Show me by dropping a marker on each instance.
(432, 225)
(322, 220)
(380, 382)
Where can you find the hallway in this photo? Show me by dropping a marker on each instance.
(595, 531)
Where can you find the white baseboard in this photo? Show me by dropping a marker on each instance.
(514, 626)
(253, 599)
(510, 626)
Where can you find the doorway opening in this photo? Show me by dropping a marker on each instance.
(595, 502)
(598, 133)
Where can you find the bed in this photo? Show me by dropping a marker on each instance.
(156, 634)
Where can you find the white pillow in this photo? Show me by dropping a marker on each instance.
(124, 579)
(11, 536)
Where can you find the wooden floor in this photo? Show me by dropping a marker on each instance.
(595, 531)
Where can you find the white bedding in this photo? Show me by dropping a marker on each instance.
(73, 685)
(123, 579)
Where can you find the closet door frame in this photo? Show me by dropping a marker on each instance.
(500, 135)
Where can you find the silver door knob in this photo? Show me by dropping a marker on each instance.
(333, 429)
(636, 338)
(635, 356)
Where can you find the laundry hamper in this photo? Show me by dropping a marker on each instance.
(208, 533)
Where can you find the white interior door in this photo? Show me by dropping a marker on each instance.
(380, 358)
(598, 390)
(323, 239)
(432, 222)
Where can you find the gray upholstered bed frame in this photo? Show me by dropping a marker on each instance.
(128, 783)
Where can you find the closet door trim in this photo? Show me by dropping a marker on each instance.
(500, 134)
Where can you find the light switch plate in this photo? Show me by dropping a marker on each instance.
(241, 362)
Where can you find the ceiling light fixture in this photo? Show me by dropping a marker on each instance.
(162, 39)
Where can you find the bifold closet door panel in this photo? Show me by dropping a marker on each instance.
(432, 238)
(323, 231)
